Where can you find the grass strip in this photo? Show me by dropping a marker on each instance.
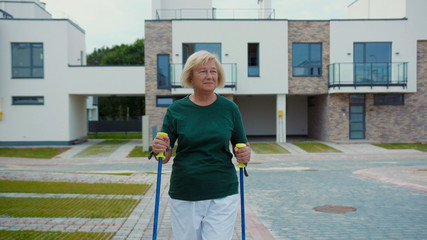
(67, 207)
(24, 235)
(115, 136)
(315, 147)
(267, 148)
(137, 152)
(102, 149)
(417, 146)
(7, 186)
(42, 152)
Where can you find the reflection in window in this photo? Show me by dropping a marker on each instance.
(307, 59)
(372, 62)
(163, 71)
(27, 60)
(33, 100)
(164, 101)
(388, 99)
(253, 59)
(190, 48)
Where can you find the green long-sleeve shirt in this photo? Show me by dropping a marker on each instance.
(203, 168)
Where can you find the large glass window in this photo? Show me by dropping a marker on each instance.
(163, 71)
(27, 60)
(253, 59)
(372, 62)
(306, 59)
(190, 48)
(388, 99)
(163, 101)
(34, 100)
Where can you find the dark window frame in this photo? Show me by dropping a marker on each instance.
(251, 58)
(163, 97)
(20, 100)
(32, 65)
(310, 64)
(189, 48)
(166, 84)
(388, 99)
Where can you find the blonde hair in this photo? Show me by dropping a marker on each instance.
(197, 59)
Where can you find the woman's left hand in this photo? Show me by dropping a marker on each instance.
(243, 155)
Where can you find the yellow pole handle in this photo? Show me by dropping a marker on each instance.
(241, 145)
(161, 154)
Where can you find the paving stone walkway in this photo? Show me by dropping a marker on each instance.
(386, 187)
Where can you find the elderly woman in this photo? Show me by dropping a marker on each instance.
(203, 185)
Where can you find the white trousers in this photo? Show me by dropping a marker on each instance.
(208, 219)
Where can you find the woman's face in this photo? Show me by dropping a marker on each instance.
(205, 77)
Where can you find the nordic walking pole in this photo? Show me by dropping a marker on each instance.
(160, 156)
(242, 194)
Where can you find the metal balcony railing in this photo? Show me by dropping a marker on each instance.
(368, 74)
(4, 14)
(230, 72)
(215, 13)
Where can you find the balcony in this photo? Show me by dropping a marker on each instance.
(368, 75)
(230, 71)
(214, 13)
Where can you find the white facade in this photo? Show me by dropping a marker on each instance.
(64, 85)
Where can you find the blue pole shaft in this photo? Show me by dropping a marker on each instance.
(242, 204)
(156, 208)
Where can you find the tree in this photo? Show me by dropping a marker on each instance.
(116, 108)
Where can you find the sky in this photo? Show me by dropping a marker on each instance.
(114, 22)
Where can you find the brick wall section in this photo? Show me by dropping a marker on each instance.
(401, 123)
(158, 40)
(309, 32)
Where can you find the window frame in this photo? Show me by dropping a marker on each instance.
(387, 99)
(189, 48)
(32, 66)
(309, 44)
(257, 64)
(164, 97)
(15, 100)
(167, 84)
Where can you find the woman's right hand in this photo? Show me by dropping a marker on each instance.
(160, 144)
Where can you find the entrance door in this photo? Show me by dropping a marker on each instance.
(357, 116)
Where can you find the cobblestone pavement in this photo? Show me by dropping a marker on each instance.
(386, 187)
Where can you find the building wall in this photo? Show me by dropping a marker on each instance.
(401, 123)
(25, 9)
(309, 32)
(234, 38)
(158, 40)
(317, 117)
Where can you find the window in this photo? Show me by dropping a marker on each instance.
(164, 101)
(36, 100)
(372, 62)
(253, 59)
(27, 60)
(190, 48)
(306, 59)
(163, 71)
(388, 99)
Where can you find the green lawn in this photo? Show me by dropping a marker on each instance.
(267, 148)
(417, 146)
(102, 149)
(315, 147)
(66, 207)
(25, 235)
(71, 187)
(137, 152)
(42, 152)
(115, 136)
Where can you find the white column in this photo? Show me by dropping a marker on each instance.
(145, 133)
(281, 118)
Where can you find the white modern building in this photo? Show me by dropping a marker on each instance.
(356, 79)
(347, 80)
(44, 82)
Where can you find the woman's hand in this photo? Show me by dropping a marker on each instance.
(243, 155)
(161, 144)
